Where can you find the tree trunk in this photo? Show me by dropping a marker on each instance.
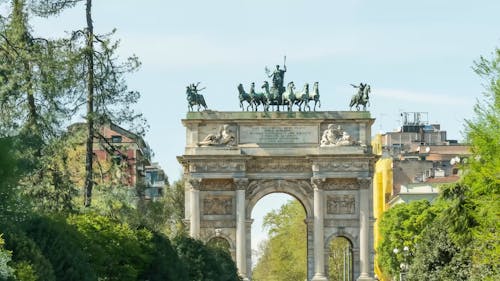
(90, 106)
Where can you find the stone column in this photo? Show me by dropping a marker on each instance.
(319, 232)
(364, 229)
(241, 256)
(194, 208)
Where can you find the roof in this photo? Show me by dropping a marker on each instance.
(448, 179)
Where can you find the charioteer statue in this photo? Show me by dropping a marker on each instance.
(278, 77)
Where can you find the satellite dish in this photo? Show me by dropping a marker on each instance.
(452, 161)
(418, 148)
(427, 149)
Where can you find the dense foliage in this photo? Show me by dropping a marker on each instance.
(204, 263)
(400, 227)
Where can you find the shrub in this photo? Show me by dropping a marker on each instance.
(63, 246)
(25, 252)
(115, 249)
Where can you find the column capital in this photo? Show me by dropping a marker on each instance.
(195, 183)
(364, 183)
(318, 182)
(241, 183)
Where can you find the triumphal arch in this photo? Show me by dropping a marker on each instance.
(323, 159)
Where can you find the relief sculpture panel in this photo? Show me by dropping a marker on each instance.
(218, 205)
(341, 204)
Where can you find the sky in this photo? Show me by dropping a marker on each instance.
(416, 55)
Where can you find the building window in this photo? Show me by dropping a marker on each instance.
(116, 139)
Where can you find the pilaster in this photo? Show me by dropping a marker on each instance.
(319, 232)
(364, 229)
(194, 210)
(241, 257)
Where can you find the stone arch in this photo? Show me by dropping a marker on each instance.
(299, 189)
(344, 234)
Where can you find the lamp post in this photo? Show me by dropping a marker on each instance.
(404, 266)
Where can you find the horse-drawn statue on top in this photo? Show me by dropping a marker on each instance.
(277, 95)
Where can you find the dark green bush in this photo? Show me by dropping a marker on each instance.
(165, 265)
(63, 246)
(25, 252)
(115, 249)
(204, 263)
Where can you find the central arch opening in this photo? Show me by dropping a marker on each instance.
(279, 239)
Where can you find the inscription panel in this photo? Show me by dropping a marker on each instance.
(278, 134)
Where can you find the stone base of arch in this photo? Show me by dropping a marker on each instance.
(280, 152)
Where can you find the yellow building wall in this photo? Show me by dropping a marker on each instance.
(382, 188)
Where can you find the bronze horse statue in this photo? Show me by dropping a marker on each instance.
(302, 97)
(193, 98)
(313, 96)
(244, 96)
(361, 98)
(289, 98)
(273, 97)
(258, 98)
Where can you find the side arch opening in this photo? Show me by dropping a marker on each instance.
(340, 259)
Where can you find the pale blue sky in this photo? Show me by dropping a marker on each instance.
(417, 55)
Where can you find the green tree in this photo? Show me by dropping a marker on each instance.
(462, 241)
(437, 257)
(284, 255)
(56, 191)
(9, 174)
(400, 227)
(36, 100)
(95, 77)
(35, 79)
(107, 95)
(483, 173)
